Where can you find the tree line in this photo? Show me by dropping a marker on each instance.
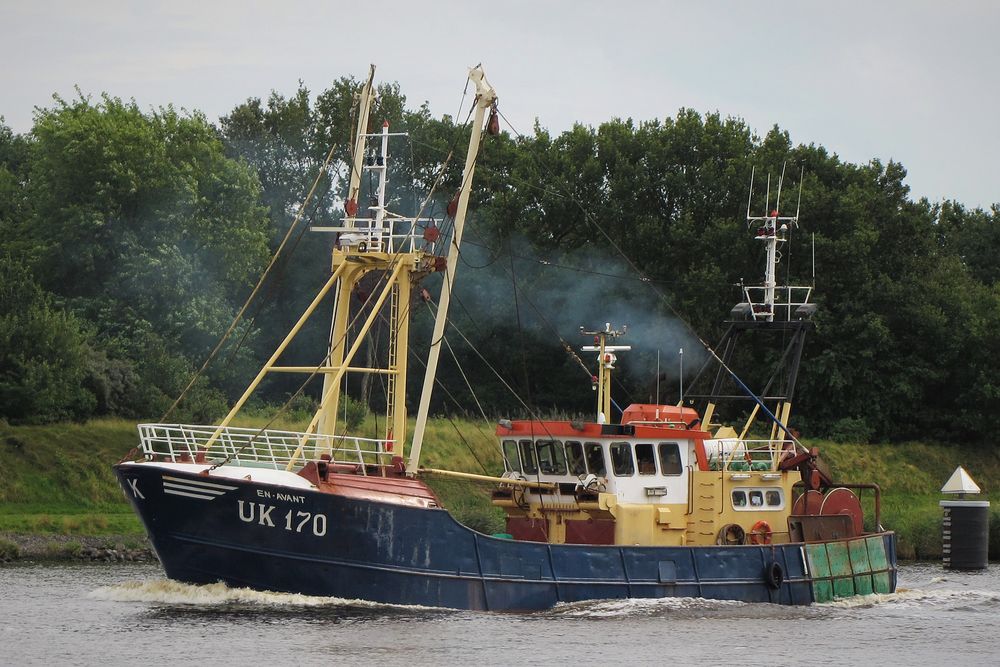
(130, 238)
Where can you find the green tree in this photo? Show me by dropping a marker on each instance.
(43, 353)
(141, 218)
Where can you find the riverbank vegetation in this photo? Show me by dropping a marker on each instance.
(130, 238)
(57, 479)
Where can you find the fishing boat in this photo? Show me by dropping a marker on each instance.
(663, 502)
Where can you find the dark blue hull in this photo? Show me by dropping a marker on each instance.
(267, 537)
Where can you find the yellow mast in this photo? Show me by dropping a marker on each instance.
(328, 419)
(485, 99)
(374, 241)
(605, 364)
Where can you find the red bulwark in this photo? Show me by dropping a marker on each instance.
(590, 532)
(395, 490)
(527, 530)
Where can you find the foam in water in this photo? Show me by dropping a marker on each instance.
(639, 606)
(903, 597)
(166, 591)
(918, 597)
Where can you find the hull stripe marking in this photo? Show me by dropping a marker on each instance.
(189, 495)
(195, 489)
(198, 483)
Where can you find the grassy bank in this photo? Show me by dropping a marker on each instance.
(57, 479)
(911, 475)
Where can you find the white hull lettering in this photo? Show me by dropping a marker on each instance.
(136, 493)
(247, 517)
(265, 516)
(295, 521)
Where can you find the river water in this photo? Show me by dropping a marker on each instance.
(99, 614)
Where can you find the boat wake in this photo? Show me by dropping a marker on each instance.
(954, 599)
(166, 591)
(950, 599)
(643, 607)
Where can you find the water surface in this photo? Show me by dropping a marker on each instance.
(99, 614)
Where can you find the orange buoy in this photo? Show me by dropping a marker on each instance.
(760, 533)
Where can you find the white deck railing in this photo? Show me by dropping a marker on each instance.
(735, 455)
(786, 299)
(266, 448)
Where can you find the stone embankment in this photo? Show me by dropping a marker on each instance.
(104, 548)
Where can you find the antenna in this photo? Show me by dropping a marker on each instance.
(681, 357)
(767, 199)
(781, 180)
(753, 170)
(798, 206)
(814, 260)
(657, 377)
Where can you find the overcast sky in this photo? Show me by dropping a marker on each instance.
(911, 81)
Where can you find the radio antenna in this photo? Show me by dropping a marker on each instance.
(781, 180)
(657, 377)
(798, 206)
(814, 260)
(680, 356)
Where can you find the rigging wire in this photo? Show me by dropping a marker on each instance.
(492, 369)
(305, 383)
(395, 259)
(272, 289)
(659, 293)
(466, 379)
(256, 289)
(541, 316)
(567, 267)
(440, 385)
(567, 347)
(527, 383)
(506, 176)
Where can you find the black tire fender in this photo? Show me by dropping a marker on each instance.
(774, 575)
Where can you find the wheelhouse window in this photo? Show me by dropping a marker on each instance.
(574, 457)
(510, 455)
(595, 459)
(756, 499)
(645, 459)
(551, 457)
(739, 499)
(670, 458)
(621, 459)
(773, 498)
(528, 457)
